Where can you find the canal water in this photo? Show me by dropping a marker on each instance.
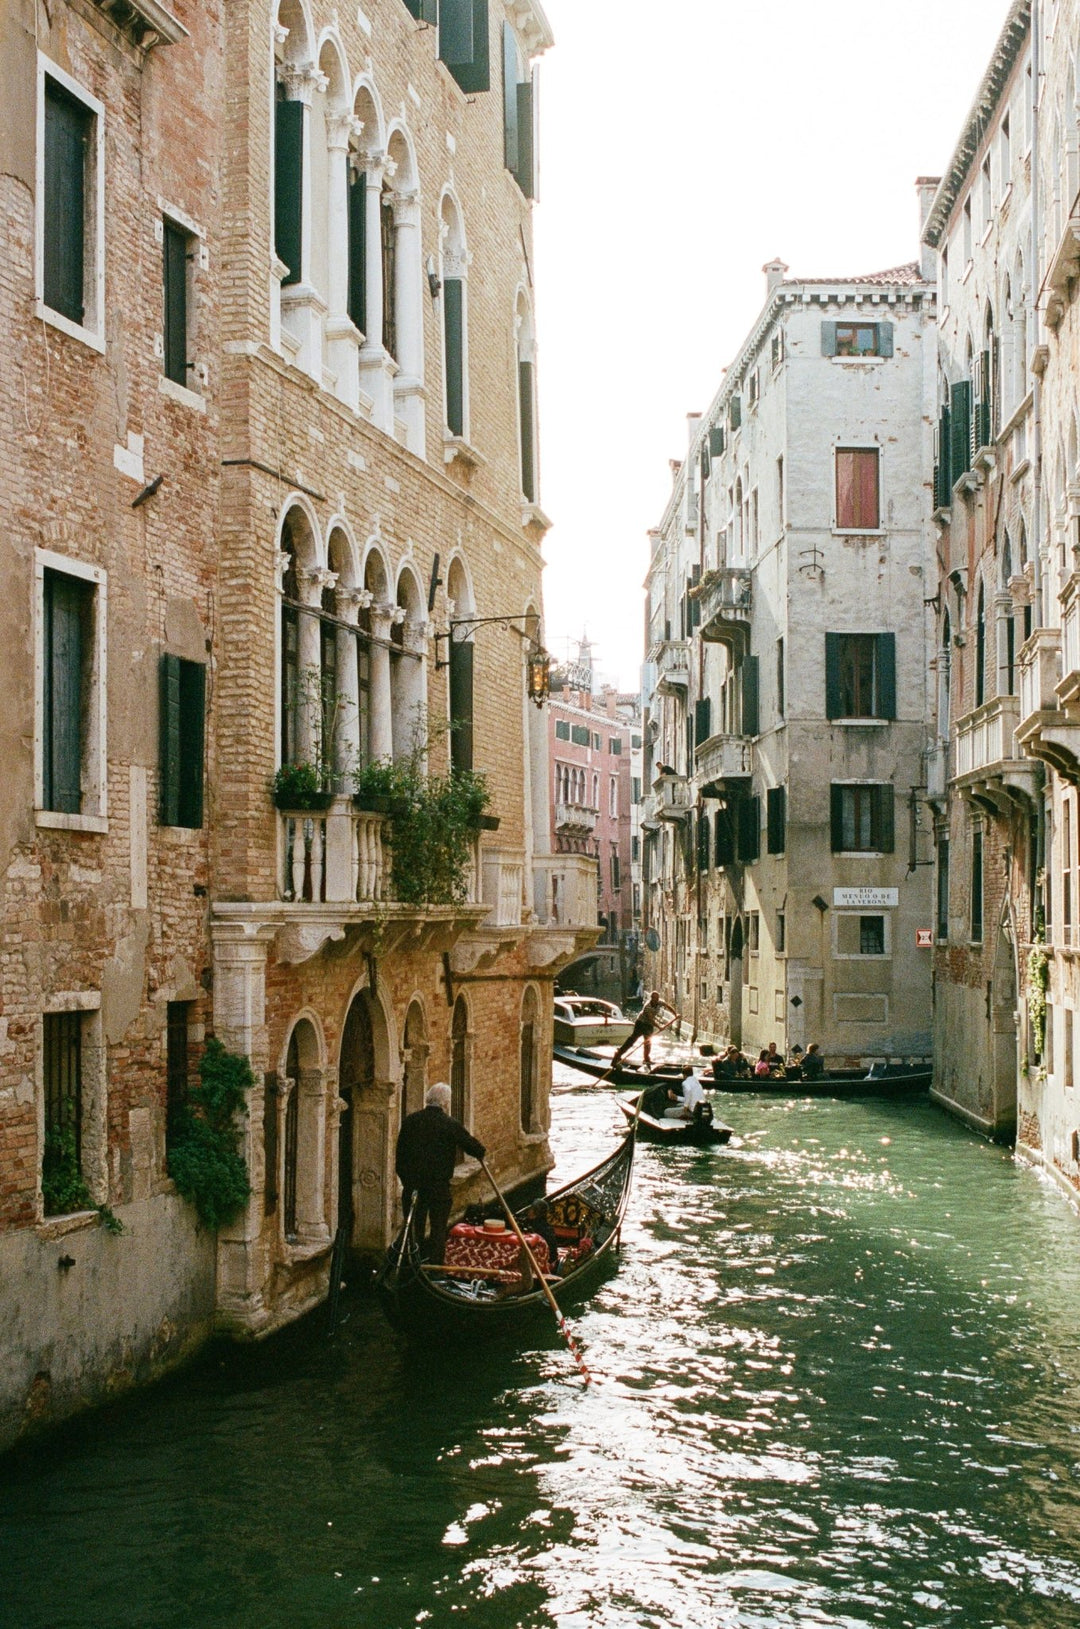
(837, 1382)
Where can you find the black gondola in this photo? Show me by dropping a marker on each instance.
(701, 1131)
(433, 1303)
(626, 1074)
(882, 1081)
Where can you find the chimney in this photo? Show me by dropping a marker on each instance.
(926, 187)
(775, 272)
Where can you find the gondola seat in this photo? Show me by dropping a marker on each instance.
(468, 1246)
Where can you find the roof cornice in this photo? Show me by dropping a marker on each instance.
(987, 98)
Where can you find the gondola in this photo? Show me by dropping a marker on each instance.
(626, 1074)
(436, 1303)
(882, 1081)
(703, 1131)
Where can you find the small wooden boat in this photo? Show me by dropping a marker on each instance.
(703, 1131)
(881, 1081)
(626, 1074)
(588, 1021)
(433, 1303)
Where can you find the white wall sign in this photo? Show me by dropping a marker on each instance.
(866, 899)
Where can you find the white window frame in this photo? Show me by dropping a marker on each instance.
(92, 331)
(94, 816)
(199, 261)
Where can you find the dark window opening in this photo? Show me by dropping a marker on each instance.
(68, 617)
(862, 819)
(62, 1082)
(68, 127)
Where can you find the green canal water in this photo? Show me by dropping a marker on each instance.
(837, 1383)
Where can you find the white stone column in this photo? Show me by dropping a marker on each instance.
(376, 368)
(311, 1223)
(302, 308)
(409, 320)
(381, 724)
(309, 722)
(342, 337)
(1003, 606)
(347, 756)
(408, 685)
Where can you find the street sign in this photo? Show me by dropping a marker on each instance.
(924, 938)
(866, 899)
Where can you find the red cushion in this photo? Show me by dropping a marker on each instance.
(475, 1247)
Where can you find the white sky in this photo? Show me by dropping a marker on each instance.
(683, 144)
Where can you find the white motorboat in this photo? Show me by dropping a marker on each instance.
(588, 1021)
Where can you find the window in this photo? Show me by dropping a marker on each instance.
(388, 251)
(579, 735)
(857, 489)
(613, 798)
(176, 1066)
(463, 42)
(748, 822)
(780, 697)
(635, 849)
(70, 258)
(977, 886)
(777, 348)
(183, 732)
(862, 819)
(856, 339)
(614, 745)
(519, 115)
(289, 243)
(616, 875)
(635, 789)
(71, 694)
(453, 292)
(776, 818)
(562, 730)
(63, 1121)
(753, 932)
(966, 231)
(1067, 871)
(635, 743)
(860, 935)
(597, 742)
(781, 933)
(780, 493)
(176, 256)
(461, 701)
(753, 387)
(943, 889)
(860, 675)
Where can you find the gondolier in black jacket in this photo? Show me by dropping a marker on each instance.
(647, 1023)
(427, 1148)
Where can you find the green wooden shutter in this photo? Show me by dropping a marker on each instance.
(749, 823)
(960, 430)
(776, 818)
(828, 339)
(702, 841)
(289, 186)
(716, 440)
(942, 469)
(526, 399)
(750, 711)
(836, 817)
(886, 818)
(885, 658)
(702, 719)
(192, 743)
(463, 43)
(170, 729)
(884, 339)
(526, 119)
(834, 700)
(454, 354)
(358, 251)
(67, 132)
(66, 618)
(510, 102)
(461, 703)
(735, 412)
(724, 839)
(174, 258)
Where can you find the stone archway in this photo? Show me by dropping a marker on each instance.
(415, 1056)
(365, 1152)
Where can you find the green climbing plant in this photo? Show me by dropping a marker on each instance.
(204, 1154)
(63, 1186)
(1038, 979)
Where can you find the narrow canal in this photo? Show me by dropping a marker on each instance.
(838, 1383)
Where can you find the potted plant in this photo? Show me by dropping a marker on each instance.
(382, 787)
(302, 786)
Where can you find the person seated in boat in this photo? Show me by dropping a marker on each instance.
(762, 1067)
(684, 1099)
(537, 1219)
(732, 1066)
(813, 1064)
(776, 1062)
(646, 1024)
(427, 1149)
(794, 1066)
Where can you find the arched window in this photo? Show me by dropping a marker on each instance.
(454, 264)
(302, 648)
(980, 648)
(459, 1061)
(415, 1053)
(945, 678)
(461, 669)
(407, 668)
(529, 1071)
(403, 316)
(347, 703)
(303, 1184)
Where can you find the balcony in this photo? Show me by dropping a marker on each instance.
(672, 794)
(721, 760)
(937, 773)
(575, 819)
(989, 769)
(1049, 717)
(502, 873)
(566, 890)
(1059, 282)
(673, 666)
(333, 857)
(649, 818)
(724, 599)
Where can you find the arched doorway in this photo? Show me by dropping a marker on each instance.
(303, 1139)
(356, 1074)
(415, 1050)
(365, 1146)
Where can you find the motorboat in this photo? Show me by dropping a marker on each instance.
(588, 1021)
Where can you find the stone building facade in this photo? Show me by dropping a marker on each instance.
(786, 868)
(306, 305)
(1004, 229)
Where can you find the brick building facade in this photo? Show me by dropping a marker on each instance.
(306, 305)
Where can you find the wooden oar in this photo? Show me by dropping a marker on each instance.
(535, 1265)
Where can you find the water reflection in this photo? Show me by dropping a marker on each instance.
(837, 1383)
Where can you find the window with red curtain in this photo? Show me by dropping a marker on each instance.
(857, 496)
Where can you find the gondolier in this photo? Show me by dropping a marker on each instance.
(427, 1148)
(645, 1026)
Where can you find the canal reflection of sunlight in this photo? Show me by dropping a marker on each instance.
(837, 1378)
